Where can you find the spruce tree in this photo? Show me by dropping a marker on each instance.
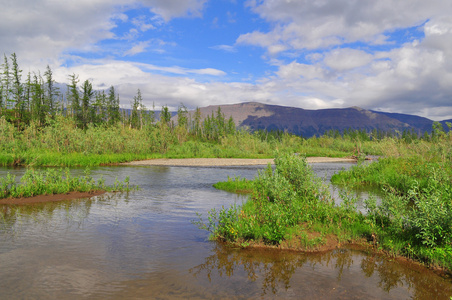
(73, 96)
(114, 115)
(51, 92)
(17, 91)
(87, 95)
(6, 82)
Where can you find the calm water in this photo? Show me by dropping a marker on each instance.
(142, 245)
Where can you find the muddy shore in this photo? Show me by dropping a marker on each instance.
(50, 198)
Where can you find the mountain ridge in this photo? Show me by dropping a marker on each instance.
(308, 123)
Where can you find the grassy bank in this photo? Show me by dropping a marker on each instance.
(61, 142)
(54, 181)
(289, 207)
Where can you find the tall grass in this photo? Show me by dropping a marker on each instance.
(54, 181)
(62, 143)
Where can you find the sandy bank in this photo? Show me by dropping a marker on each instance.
(218, 162)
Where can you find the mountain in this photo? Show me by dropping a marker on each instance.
(445, 125)
(420, 123)
(308, 123)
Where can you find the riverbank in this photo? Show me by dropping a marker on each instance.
(50, 198)
(219, 162)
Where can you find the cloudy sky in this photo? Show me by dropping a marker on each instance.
(388, 55)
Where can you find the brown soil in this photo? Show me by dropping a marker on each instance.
(50, 198)
(216, 162)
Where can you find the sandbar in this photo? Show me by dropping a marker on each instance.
(219, 162)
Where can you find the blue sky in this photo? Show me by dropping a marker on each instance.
(388, 55)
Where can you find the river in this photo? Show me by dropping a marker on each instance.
(142, 245)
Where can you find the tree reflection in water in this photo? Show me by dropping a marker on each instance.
(45, 216)
(277, 272)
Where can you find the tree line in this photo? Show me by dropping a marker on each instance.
(37, 99)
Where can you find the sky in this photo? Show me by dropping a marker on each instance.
(386, 55)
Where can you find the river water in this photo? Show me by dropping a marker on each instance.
(142, 245)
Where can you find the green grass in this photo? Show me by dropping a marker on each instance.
(290, 206)
(281, 201)
(235, 185)
(54, 181)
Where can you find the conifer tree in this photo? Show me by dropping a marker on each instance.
(37, 107)
(196, 126)
(51, 92)
(6, 81)
(87, 95)
(182, 116)
(165, 115)
(17, 91)
(114, 115)
(135, 117)
(74, 100)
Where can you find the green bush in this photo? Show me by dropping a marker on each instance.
(281, 201)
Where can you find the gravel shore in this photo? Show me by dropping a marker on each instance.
(218, 162)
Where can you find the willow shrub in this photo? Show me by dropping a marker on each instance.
(282, 200)
(414, 216)
(418, 223)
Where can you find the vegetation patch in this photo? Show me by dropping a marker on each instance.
(55, 181)
(235, 185)
(290, 208)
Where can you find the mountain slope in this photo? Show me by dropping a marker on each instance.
(316, 122)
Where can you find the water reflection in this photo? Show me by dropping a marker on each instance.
(50, 216)
(142, 245)
(336, 274)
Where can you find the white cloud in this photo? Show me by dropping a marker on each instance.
(162, 89)
(347, 59)
(225, 48)
(411, 78)
(182, 71)
(295, 71)
(312, 24)
(141, 22)
(139, 48)
(50, 28)
(169, 9)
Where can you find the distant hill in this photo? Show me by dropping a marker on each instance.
(308, 123)
(417, 122)
(445, 124)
